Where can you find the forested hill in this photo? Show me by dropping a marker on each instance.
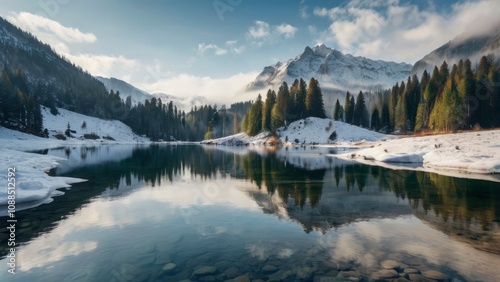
(51, 78)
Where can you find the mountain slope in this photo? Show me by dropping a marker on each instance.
(467, 45)
(52, 78)
(334, 70)
(139, 96)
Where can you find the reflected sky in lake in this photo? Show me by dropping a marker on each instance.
(145, 207)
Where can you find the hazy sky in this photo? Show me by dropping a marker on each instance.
(195, 47)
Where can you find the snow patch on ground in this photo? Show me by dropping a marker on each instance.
(307, 131)
(240, 139)
(472, 152)
(32, 185)
(113, 128)
(317, 130)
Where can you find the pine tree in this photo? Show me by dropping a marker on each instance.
(427, 101)
(375, 120)
(484, 92)
(393, 102)
(300, 100)
(448, 113)
(338, 112)
(268, 107)
(494, 78)
(279, 113)
(255, 117)
(469, 85)
(68, 130)
(292, 109)
(236, 125)
(385, 117)
(348, 108)
(210, 129)
(412, 100)
(360, 111)
(314, 100)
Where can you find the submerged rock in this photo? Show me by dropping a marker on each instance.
(269, 268)
(204, 271)
(168, 268)
(232, 272)
(384, 274)
(410, 270)
(242, 278)
(391, 264)
(436, 275)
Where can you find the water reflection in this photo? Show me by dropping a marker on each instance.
(305, 213)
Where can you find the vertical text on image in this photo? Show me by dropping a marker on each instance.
(11, 221)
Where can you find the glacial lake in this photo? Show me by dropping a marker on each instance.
(187, 212)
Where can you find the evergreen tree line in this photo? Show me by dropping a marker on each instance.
(156, 120)
(353, 112)
(208, 122)
(288, 105)
(462, 98)
(19, 107)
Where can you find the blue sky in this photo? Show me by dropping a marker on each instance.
(194, 47)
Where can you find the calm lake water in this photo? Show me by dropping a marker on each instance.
(173, 213)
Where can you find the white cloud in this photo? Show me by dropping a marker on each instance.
(287, 30)
(261, 32)
(202, 48)
(304, 10)
(103, 65)
(44, 27)
(215, 90)
(391, 30)
(230, 46)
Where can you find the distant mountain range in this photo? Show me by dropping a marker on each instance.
(140, 96)
(334, 70)
(467, 45)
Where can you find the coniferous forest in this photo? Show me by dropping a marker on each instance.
(444, 101)
(288, 105)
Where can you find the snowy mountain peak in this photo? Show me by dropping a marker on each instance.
(322, 50)
(334, 70)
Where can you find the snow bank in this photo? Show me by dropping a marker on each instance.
(317, 130)
(240, 139)
(113, 128)
(473, 152)
(307, 131)
(33, 185)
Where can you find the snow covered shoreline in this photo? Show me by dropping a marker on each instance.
(458, 154)
(33, 185)
(469, 154)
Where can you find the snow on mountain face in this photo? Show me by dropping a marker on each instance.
(465, 46)
(334, 70)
